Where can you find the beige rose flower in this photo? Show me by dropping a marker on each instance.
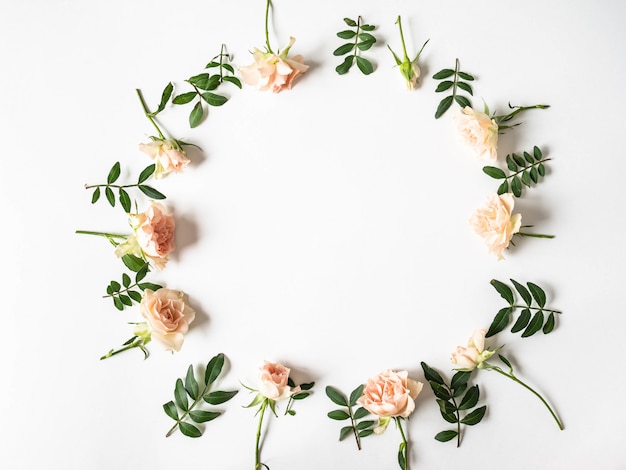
(495, 223)
(169, 316)
(479, 132)
(273, 72)
(273, 381)
(390, 394)
(168, 156)
(474, 354)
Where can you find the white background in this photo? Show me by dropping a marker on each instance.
(324, 227)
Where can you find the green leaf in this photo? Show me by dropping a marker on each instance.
(446, 407)
(535, 325)
(459, 379)
(506, 361)
(108, 192)
(146, 173)
(196, 115)
(445, 436)
(526, 178)
(537, 153)
(132, 262)
(365, 433)
(213, 369)
(360, 413)
(307, 386)
(494, 172)
(401, 456)
(443, 86)
(118, 303)
(444, 105)
(365, 45)
(345, 432)
(500, 321)
(214, 99)
(191, 384)
(549, 326)
(350, 22)
(462, 101)
(534, 175)
(541, 169)
(189, 430)
(505, 291)
(466, 76)
(522, 321)
(165, 97)
(346, 34)
(136, 296)
(440, 391)
(201, 80)
(444, 73)
(114, 173)
(95, 196)
(367, 37)
(519, 160)
(528, 157)
(338, 415)
(200, 416)
(343, 49)
(184, 98)
(522, 291)
(510, 163)
(345, 66)
(465, 86)
(234, 80)
(538, 294)
(336, 396)
(503, 188)
(115, 286)
(516, 186)
(431, 374)
(142, 272)
(356, 394)
(124, 200)
(126, 300)
(459, 390)
(170, 410)
(365, 424)
(180, 395)
(368, 27)
(475, 416)
(470, 399)
(218, 397)
(151, 192)
(364, 65)
(149, 285)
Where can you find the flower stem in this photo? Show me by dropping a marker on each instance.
(518, 109)
(515, 379)
(404, 447)
(137, 343)
(257, 455)
(534, 235)
(399, 23)
(101, 234)
(148, 114)
(267, 28)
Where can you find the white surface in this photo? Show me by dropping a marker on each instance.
(324, 227)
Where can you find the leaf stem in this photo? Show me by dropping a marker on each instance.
(149, 114)
(527, 167)
(257, 454)
(486, 365)
(354, 430)
(356, 38)
(186, 413)
(267, 29)
(536, 308)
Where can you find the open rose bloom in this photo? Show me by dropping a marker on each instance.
(167, 155)
(474, 354)
(273, 72)
(479, 132)
(153, 235)
(495, 223)
(273, 381)
(390, 394)
(168, 315)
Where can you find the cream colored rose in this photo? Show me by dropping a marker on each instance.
(168, 156)
(273, 72)
(479, 132)
(390, 394)
(474, 354)
(495, 223)
(154, 231)
(169, 316)
(273, 381)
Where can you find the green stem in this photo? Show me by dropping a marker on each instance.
(354, 430)
(257, 454)
(101, 234)
(148, 114)
(399, 22)
(456, 76)
(137, 343)
(536, 308)
(527, 167)
(519, 109)
(184, 415)
(515, 379)
(356, 38)
(405, 451)
(534, 235)
(118, 186)
(267, 29)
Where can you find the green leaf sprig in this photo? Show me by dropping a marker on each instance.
(305, 391)
(454, 79)
(184, 412)
(123, 195)
(362, 40)
(450, 408)
(530, 166)
(534, 298)
(204, 86)
(358, 427)
(124, 293)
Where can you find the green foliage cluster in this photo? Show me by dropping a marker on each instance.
(124, 293)
(305, 391)
(534, 298)
(182, 411)
(362, 40)
(123, 196)
(453, 79)
(358, 427)
(525, 170)
(204, 85)
(450, 407)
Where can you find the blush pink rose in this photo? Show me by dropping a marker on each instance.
(273, 72)
(273, 381)
(495, 223)
(154, 232)
(390, 394)
(474, 354)
(479, 132)
(168, 156)
(169, 316)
